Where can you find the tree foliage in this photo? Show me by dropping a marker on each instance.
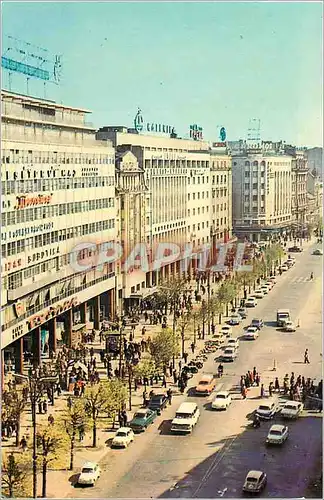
(13, 406)
(96, 403)
(163, 347)
(226, 294)
(146, 368)
(170, 291)
(73, 419)
(16, 475)
(52, 445)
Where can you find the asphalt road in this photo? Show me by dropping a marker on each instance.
(212, 462)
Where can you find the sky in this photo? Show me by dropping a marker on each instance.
(212, 64)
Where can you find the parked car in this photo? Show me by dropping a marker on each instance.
(292, 409)
(295, 248)
(270, 284)
(273, 279)
(123, 437)
(229, 354)
(251, 302)
(251, 333)
(221, 401)
(226, 330)
(255, 481)
(258, 323)
(277, 434)
(157, 403)
(289, 326)
(318, 251)
(219, 338)
(206, 385)
(233, 342)
(290, 262)
(258, 294)
(90, 472)
(284, 267)
(142, 419)
(268, 409)
(265, 289)
(242, 312)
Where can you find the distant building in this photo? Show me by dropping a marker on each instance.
(315, 161)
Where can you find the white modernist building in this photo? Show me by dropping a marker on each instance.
(58, 192)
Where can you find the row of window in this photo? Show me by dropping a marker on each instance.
(219, 222)
(218, 193)
(164, 163)
(198, 210)
(33, 214)
(198, 180)
(199, 226)
(41, 240)
(55, 157)
(193, 195)
(39, 185)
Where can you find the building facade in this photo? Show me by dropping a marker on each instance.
(58, 196)
(299, 200)
(315, 200)
(262, 191)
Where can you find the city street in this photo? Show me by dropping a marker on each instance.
(213, 461)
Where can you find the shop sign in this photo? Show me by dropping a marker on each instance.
(89, 171)
(25, 231)
(219, 144)
(151, 127)
(51, 312)
(44, 253)
(26, 174)
(24, 201)
(14, 264)
(18, 331)
(196, 132)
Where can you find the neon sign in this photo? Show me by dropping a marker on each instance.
(151, 127)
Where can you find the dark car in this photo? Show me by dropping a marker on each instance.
(142, 419)
(258, 323)
(157, 403)
(295, 248)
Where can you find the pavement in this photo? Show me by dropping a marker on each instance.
(212, 461)
(215, 458)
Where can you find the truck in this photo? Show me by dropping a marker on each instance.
(283, 315)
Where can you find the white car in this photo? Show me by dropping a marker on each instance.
(258, 294)
(90, 472)
(251, 333)
(255, 481)
(251, 302)
(221, 401)
(235, 319)
(277, 434)
(268, 409)
(290, 262)
(226, 330)
(292, 409)
(284, 267)
(265, 289)
(229, 354)
(273, 279)
(289, 326)
(270, 284)
(233, 342)
(123, 437)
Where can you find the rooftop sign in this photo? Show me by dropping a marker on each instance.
(159, 128)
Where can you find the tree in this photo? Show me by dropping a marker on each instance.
(164, 347)
(16, 475)
(183, 321)
(117, 395)
(204, 314)
(14, 403)
(246, 279)
(96, 402)
(52, 445)
(145, 369)
(226, 294)
(73, 419)
(216, 308)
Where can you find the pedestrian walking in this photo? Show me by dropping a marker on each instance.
(144, 398)
(50, 419)
(270, 389)
(306, 358)
(23, 443)
(169, 395)
(257, 379)
(192, 348)
(276, 385)
(262, 391)
(185, 357)
(125, 419)
(164, 381)
(81, 433)
(244, 392)
(175, 376)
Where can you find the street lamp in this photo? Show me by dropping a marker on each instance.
(36, 386)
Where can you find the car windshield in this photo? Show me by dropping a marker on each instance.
(290, 407)
(140, 415)
(252, 480)
(220, 396)
(275, 433)
(203, 382)
(87, 470)
(264, 407)
(156, 399)
(182, 415)
(121, 434)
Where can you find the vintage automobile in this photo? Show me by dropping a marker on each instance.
(90, 472)
(255, 481)
(123, 437)
(221, 401)
(292, 409)
(142, 419)
(157, 403)
(258, 323)
(251, 333)
(277, 434)
(205, 385)
(268, 409)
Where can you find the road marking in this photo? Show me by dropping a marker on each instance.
(303, 279)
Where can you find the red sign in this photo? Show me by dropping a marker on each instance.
(41, 199)
(12, 265)
(38, 319)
